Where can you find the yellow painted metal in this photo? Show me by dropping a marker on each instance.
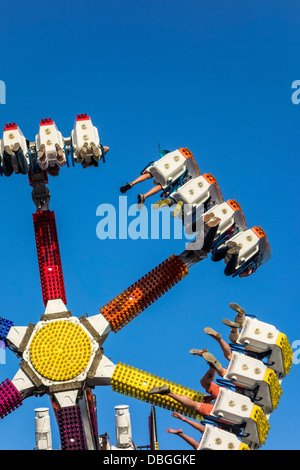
(136, 383)
(275, 388)
(287, 353)
(262, 423)
(60, 350)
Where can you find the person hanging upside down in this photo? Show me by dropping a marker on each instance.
(236, 327)
(162, 180)
(237, 324)
(205, 407)
(207, 381)
(212, 223)
(209, 357)
(230, 250)
(146, 175)
(90, 155)
(14, 160)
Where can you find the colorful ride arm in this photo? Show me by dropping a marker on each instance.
(136, 298)
(76, 419)
(136, 383)
(10, 398)
(13, 392)
(51, 274)
(71, 431)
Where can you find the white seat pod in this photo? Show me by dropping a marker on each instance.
(86, 134)
(253, 242)
(193, 198)
(12, 135)
(231, 217)
(236, 408)
(198, 190)
(253, 374)
(50, 137)
(217, 439)
(170, 167)
(260, 337)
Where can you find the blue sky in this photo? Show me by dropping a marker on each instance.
(213, 76)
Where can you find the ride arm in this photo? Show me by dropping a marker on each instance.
(140, 295)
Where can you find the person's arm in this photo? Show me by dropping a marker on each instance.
(195, 425)
(192, 423)
(192, 442)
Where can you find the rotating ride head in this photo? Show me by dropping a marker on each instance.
(50, 149)
(62, 355)
(59, 353)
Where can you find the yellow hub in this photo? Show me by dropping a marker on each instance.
(60, 350)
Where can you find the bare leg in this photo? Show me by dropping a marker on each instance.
(143, 197)
(224, 346)
(199, 407)
(143, 177)
(240, 313)
(153, 191)
(214, 364)
(234, 335)
(188, 439)
(208, 378)
(185, 401)
(198, 352)
(235, 326)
